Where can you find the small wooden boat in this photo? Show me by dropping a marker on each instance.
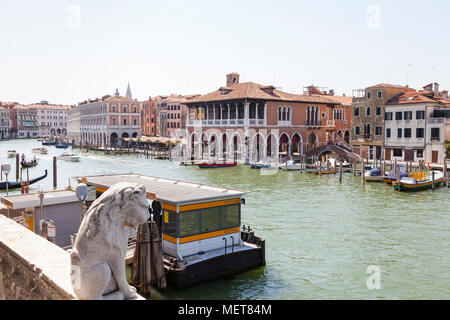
(17, 184)
(69, 157)
(325, 171)
(291, 165)
(39, 150)
(212, 165)
(11, 153)
(29, 164)
(419, 181)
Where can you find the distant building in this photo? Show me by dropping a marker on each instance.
(172, 113)
(52, 119)
(24, 123)
(416, 125)
(367, 119)
(105, 120)
(148, 116)
(250, 122)
(5, 126)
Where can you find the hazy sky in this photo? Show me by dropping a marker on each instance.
(69, 51)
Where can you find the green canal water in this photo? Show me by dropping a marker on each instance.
(321, 235)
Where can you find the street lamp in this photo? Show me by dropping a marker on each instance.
(6, 168)
(82, 191)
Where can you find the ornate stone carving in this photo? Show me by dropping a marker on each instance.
(98, 256)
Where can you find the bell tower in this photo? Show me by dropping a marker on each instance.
(232, 78)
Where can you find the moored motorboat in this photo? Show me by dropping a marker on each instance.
(373, 175)
(69, 157)
(421, 180)
(291, 165)
(259, 165)
(211, 165)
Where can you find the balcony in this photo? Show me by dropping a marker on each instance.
(436, 121)
(313, 123)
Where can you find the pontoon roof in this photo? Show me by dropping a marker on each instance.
(168, 190)
(22, 201)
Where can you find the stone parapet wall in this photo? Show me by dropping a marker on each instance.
(30, 266)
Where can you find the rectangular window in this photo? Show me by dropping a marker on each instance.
(399, 132)
(420, 115)
(210, 219)
(388, 132)
(356, 112)
(398, 116)
(420, 132)
(408, 115)
(388, 116)
(419, 153)
(435, 134)
(368, 94)
(230, 216)
(398, 153)
(407, 132)
(189, 223)
(356, 131)
(379, 94)
(378, 131)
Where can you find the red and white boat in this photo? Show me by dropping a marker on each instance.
(209, 165)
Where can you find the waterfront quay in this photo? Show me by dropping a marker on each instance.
(321, 235)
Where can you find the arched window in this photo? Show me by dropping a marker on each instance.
(135, 122)
(379, 111)
(368, 111)
(284, 114)
(114, 121)
(124, 121)
(279, 113)
(288, 118)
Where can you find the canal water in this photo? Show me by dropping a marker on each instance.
(321, 235)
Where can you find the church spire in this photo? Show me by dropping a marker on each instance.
(129, 96)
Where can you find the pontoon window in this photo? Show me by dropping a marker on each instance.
(210, 219)
(169, 226)
(230, 216)
(189, 223)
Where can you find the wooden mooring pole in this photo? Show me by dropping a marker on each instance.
(445, 173)
(55, 176)
(17, 167)
(363, 176)
(340, 171)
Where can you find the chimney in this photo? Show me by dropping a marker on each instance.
(428, 87)
(436, 88)
(331, 93)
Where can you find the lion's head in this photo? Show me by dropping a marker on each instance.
(122, 203)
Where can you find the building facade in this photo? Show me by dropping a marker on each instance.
(173, 113)
(415, 126)
(5, 126)
(105, 120)
(148, 117)
(24, 123)
(249, 122)
(367, 119)
(52, 119)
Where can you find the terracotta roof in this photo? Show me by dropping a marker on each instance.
(344, 100)
(120, 99)
(251, 90)
(387, 85)
(48, 106)
(415, 97)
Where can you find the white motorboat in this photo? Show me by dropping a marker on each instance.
(11, 153)
(291, 165)
(69, 157)
(39, 150)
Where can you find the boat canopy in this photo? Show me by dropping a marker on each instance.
(145, 139)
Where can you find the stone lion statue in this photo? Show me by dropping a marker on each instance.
(98, 255)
